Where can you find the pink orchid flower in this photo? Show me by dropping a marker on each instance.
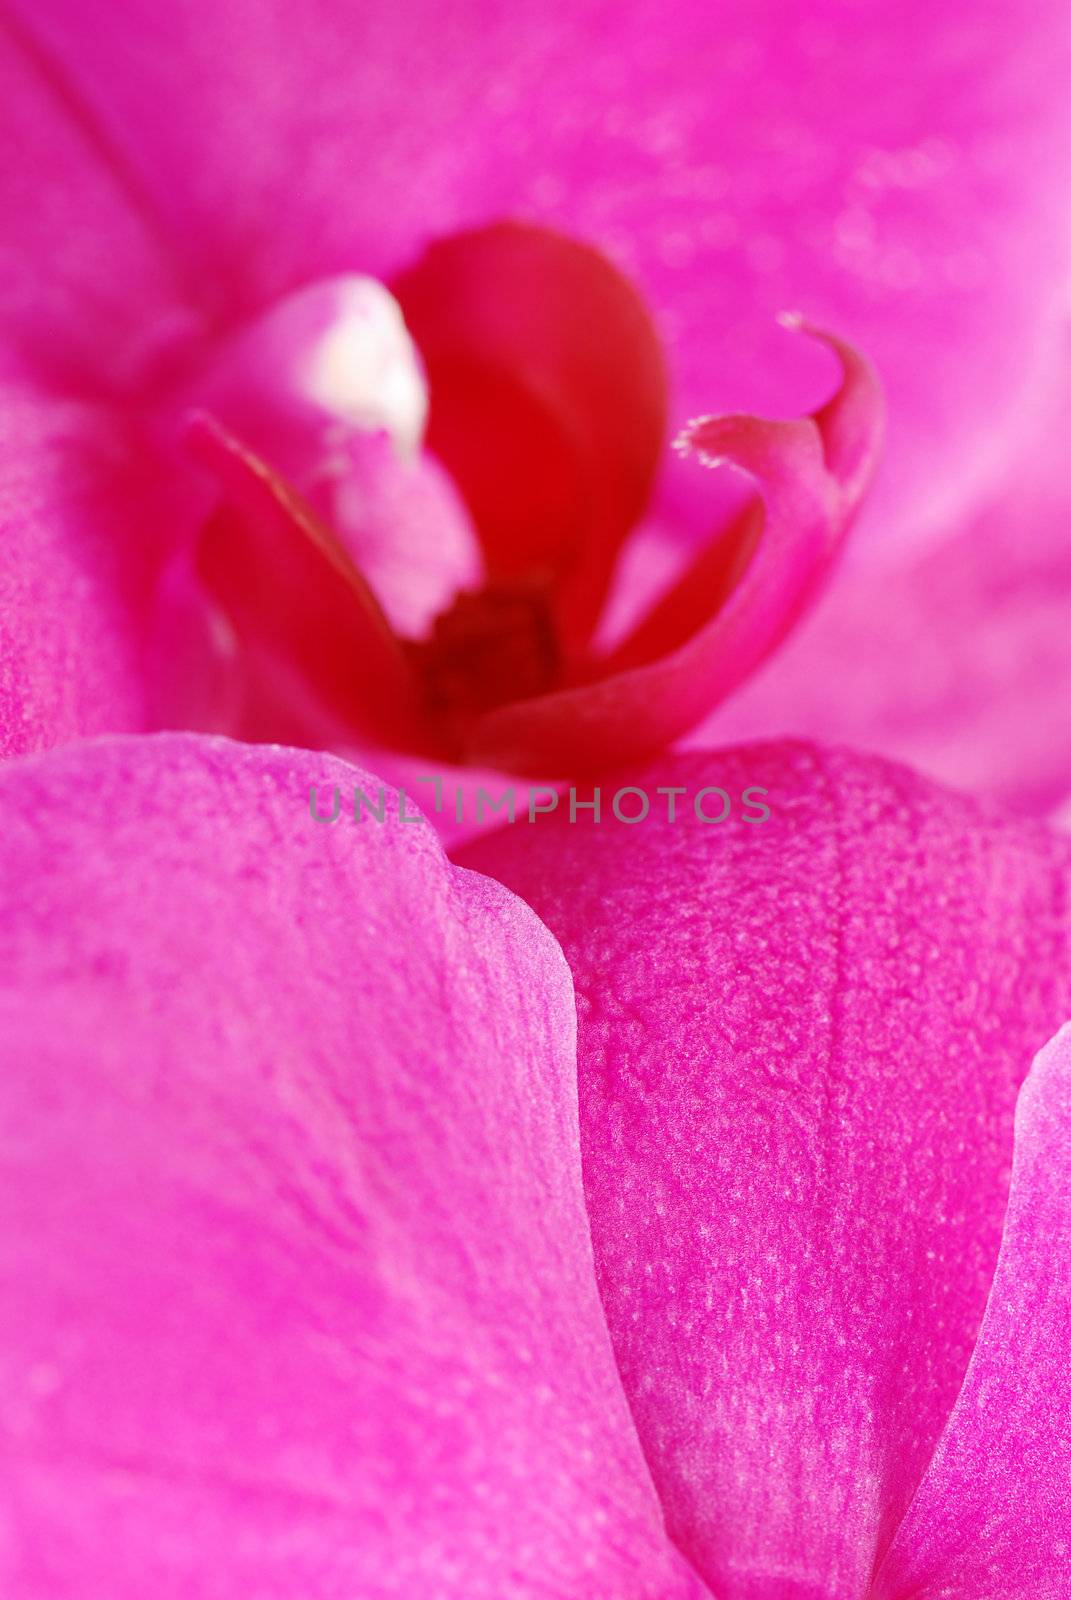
(612, 1211)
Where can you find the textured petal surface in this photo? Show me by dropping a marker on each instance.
(298, 1293)
(898, 172)
(800, 1045)
(993, 1514)
(960, 657)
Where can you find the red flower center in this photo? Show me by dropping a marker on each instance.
(547, 411)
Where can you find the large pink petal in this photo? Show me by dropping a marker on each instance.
(800, 1045)
(897, 171)
(298, 1292)
(993, 1514)
(91, 294)
(957, 660)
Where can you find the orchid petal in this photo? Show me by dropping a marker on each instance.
(90, 302)
(298, 1295)
(329, 361)
(89, 513)
(800, 1045)
(992, 1515)
(405, 525)
(548, 402)
(92, 295)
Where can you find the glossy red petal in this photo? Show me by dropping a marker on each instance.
(960, 654)
(547, 401)
(702, 641)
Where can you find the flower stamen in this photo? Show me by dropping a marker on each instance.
(490, 646)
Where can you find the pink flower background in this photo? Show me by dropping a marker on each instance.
(596, 1210)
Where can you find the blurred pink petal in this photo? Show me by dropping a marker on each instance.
(800, 1046)
(298, 1296)
(91, 290)
(330, 359)
(993, 1513)
(88, 298)
(405, 524)
(898, 171)
(957, 660)
(87, 513)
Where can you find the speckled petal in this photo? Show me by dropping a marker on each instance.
(801, 1040)
(992, 1516)
(297, 1290)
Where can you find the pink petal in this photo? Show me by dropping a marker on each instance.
(800, 1045)
(89, 302)
(298, 1293)
(91, 294)
(327, 387)
(328, 361)
(730, 608)
(960, 657)
(900, 171)
(88, 513)
(993, 1514)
